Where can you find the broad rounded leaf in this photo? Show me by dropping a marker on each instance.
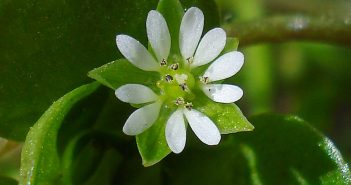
(40, 162)
(281, 150)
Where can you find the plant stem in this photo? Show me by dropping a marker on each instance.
(323, 28)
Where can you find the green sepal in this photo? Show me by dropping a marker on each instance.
(227, 117)
(173, 12)
(152, 143)
(121, 72)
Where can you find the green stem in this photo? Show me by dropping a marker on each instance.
(323, 28)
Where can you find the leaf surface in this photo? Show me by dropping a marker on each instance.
(40, 161)
(281, 150)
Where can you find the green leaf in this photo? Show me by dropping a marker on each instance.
(173, 12)
(122, 72)
(88, 155)
(96, 127)
(105, 171)
(68, 158)
(47, 47)
(227, 117)
(40, 162)
(306, 154)
(131, 172)
(281, 150)
(152, 143)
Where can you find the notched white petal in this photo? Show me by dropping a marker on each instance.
(203, 127)
(158, 35)
(223, 93)
(176, 132)
(225, 66)
(211, 45)
(135, 93)
(142, 119)
(190, 31)
(136, 53)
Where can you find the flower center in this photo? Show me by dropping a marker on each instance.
(176, 85)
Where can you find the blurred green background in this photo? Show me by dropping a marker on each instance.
(297, 60)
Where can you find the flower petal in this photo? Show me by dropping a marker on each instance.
(158, 35)
(203, 127)
(135, 93)
(142, 118)
(136, 53)
(190, 31)
(223, 93)
(225, 66)
(211, 45)
(176, 132)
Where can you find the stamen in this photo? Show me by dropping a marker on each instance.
(179, 101)
(190, 60)
(174, 66)
(184, 86)
(204, 79)
(188, 105)
(163, 62)
(168, 78)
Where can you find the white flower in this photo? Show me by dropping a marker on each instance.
(177, 82)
